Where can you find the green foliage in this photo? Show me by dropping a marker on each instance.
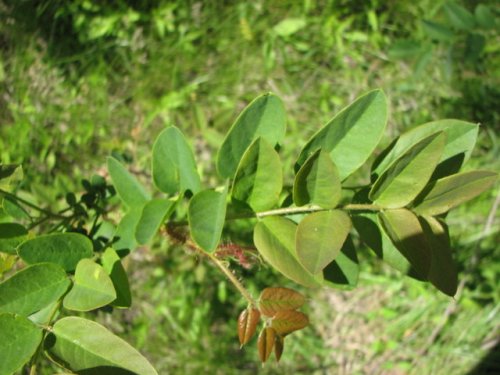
(83, 344)
(310, 243)
(82, 81)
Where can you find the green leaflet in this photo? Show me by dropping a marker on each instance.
(11, 235)
(173, 164)
(124, 236)
(33, 288)
(81, 344)
(319, 238)
(443, 271)
(408, 175)
(131, 192)
(92, 288)
(264, 117)
(113, 266)
(20, 339)
(405, 231)
(317, 182)
(370, 230)
(206, 215)
(274, 237)
(64, 249)
(448, 192)
(152, 217)
(343, 272)
(460, 140)
(352, 135)
(259, 177)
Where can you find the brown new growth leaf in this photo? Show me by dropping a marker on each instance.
(267, 338)
(247, 324)
(273, 300)
(285, 322)
(279, 345)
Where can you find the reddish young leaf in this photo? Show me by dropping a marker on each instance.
(285, 322)
(273, 300)
(267, 338)
(279, 345)
(247, 324)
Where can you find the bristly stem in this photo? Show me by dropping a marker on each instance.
(226, 271)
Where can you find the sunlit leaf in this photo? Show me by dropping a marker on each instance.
(247, 324)
(272, 300)
(64, 249)
(20, 339)
(264, 117)
(92, 288)
(448, 192)
(274, 238)
(206, 215)
(33, 288)
(131, 192)
(288, 321)
(173, 163)
(81, 344)
(352, 135)
(319, 238)
(317, 182)
(259, 177)
(460, 140)
(152, 217)
(408, 174)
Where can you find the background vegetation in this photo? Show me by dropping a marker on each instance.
(81, 79)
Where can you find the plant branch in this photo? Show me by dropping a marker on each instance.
(293, 211)
(31, 205)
